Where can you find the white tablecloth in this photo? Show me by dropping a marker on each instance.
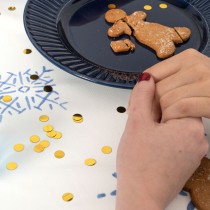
(40, 179)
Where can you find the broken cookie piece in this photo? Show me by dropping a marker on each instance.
(122, 45)
(113, 15)
(119, 28)
(135, 18)
(183, 32)
(199, 185)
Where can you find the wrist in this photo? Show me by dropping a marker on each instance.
(134, 196)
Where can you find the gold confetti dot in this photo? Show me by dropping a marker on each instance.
(44, 143)
(67, 197)
(112, 6)
(43, 118)
(106, 149)
(11, 8)
(163, 6)
(78, 118)
(48, 128)
(59, 154)
(34, 139)
(147, 7)
(6, 98)
(27, 51)
(39, 148)
(90, 162)
(18, 147)
(51, 134)
(58, 135)
(11, 166)
(34, 77)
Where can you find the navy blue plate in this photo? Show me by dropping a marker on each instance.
(73, 35)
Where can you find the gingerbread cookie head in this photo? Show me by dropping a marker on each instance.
(199, 186)
(113, 15)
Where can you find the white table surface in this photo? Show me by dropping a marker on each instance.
(40, 179)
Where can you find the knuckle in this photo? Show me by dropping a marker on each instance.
(164, 103)
(183, 108)
(192, 53)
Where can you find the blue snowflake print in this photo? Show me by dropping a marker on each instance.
(190, 206)
(113, 193)
(28, 94)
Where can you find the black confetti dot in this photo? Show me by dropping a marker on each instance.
(34, 77)
(121, 109)
(48, 88)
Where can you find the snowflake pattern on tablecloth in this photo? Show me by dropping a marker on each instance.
(27, 94)
(113, 193)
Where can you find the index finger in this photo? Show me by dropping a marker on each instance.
(176, 63)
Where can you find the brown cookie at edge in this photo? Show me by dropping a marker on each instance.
(199, 186)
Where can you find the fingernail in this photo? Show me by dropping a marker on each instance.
(144, 77)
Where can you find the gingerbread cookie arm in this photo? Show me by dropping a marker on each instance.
(119, 28)
(134, 19)
(183, 32)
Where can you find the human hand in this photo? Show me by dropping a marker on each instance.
(155, 160)
(183, 85)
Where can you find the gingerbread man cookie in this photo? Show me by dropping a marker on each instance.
(199, 186)
(160, 38)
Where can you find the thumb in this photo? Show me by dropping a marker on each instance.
(142, 102)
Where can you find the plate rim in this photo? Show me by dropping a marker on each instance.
(86, 69)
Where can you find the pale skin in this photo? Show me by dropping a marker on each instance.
(155, 159)
(183, 85)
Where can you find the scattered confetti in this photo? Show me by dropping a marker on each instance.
(59, 154)
(121, 109)
(101, 195)
(51, 134)
(48, 88)
(106, 149)
(27, 51)
(28, 94)
(39, 148)
(112, 6)
(11, 8)
(34, 139)
(6, 98)
(67, 197)
(11, 166)
(78, 118)
(48, 128)
(58, 135)
(34, 77)
(43, 118)
(90, 162)
(18, 147)
(44, 143)
(147, 7)
(163, 6)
